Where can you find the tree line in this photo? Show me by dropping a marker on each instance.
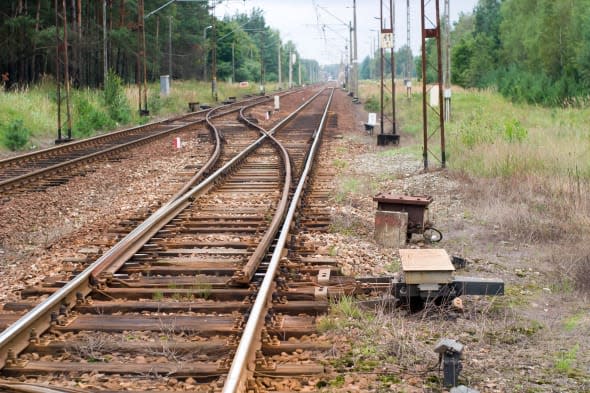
(534, 51)
(179, 42)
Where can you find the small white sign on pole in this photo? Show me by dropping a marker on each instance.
(386, 40)
(372, 119)
(434, 96)
(277, 103)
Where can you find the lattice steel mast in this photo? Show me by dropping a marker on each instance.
(387, 84)
(431, 30)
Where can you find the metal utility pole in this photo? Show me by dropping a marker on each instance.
(170, 46)
(206, 51)
(447, 64)
(233, 62)
(355, 68)
(299, 70)
(409, 60)
(262, 90)
(214, 54)
(435, 107)
(158, 44)
(61, 61)
(387, 42)
(349, 82)
(105, 61)
(280, 66)
(141, 61)
(290, 67)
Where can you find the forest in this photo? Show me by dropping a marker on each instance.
(533, 51)
(180, 40)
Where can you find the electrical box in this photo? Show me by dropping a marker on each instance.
(426, 266)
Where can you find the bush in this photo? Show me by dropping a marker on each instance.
(15, 136)
(477, 129)
(373, 103)
(514, 131)
(89, 119)
(156, 103)
(115, 100)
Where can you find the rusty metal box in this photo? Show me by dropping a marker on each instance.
(415, 206)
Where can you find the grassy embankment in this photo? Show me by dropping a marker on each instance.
(36, 108)
(529, 166)
(525, 175)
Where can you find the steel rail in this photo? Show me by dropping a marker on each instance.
(246, 273)
(16, 337)
(214, 157)
(111, 263)
(4, 184)
(210, 162)
(28, 388)
(87, 158)
(112, 135)
(239, 370)
(89, 141)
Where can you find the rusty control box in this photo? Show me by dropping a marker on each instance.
(417, 209)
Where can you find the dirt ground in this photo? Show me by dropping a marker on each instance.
(533, 339)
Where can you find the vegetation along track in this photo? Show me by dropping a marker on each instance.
(174, 296)
(45, 168)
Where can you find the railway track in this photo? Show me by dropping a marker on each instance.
(204, 294)
(54, 166)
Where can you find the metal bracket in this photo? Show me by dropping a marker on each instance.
(321, 293)
(323, 276)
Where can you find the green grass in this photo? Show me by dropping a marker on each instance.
(36, 107)
(565, 360)
(340, 164)
(33, 107)
(344, 312)
(492, 137)
(535, 160)
(347, 187)
(572, 322)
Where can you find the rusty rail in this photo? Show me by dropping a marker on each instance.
(16, 337)
(42, 172)
(244, 275)
(239, 371)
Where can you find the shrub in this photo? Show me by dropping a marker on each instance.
(115, 100)
(477, 129)
(155, 103)
(89, 119)
(15, 136)
(373, 103)
(514, 131)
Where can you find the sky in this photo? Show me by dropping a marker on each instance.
(319, 28)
